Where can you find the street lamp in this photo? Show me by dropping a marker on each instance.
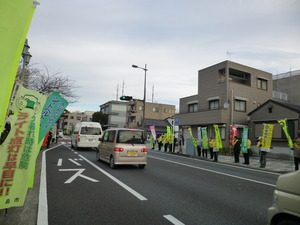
(26, 59)
(144, 100)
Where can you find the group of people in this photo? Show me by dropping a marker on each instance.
(163, 142)
(214, 151)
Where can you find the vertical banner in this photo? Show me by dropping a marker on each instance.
(54, 107)
(244, 144)
(218, 137)
(267, 137)
(199, 136)
(285, 130)
(15, 19)
(152, 128)
(195, 142)
(233, 133)
(204, 138)
(18, 152)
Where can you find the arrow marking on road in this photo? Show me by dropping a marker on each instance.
(78, 174)
(76, 163)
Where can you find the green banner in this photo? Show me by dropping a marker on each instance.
(218, 137)
(18, 152)
(285, 130)
(244, 144)
(15, 19)
(204, 138)
(195, 142)
(54, 107)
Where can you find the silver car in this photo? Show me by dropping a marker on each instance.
(123, 146)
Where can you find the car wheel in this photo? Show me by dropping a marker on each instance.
(112, 162)
(98, 155)
(288, 222)
(142, 166)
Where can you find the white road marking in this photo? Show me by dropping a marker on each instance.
(76, 163)
(173, 220)
(213, 171)
(59, 162)
(78, 174)
(129, 189)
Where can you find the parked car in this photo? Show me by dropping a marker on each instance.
(86, 135)
(123, 146)
(286, 202)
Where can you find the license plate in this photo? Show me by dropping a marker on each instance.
(131, 153)
(91, 139)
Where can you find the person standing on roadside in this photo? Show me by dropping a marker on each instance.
(211, 144)
(49, 139)
(159, 141)
(297, 151)
(215, 151)
(262, 154)
(236, 149)
(246, 154)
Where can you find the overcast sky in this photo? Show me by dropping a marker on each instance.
(95, 43)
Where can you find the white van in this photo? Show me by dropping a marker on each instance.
(86, 135)
(286, 202)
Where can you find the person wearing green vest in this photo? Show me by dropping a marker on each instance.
(297, 151)
(246, 154)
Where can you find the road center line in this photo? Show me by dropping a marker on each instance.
(173, 220)
(129, 189)
(213, 171)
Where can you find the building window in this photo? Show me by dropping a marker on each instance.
(262, 84)
(240, 105)
(140, 108)
(78, 117)
(193, 107)
(71, 117)
(132, 119)
(155, 109)
(214, 104)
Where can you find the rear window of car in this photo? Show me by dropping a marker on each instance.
(130, 137)
(90, 130)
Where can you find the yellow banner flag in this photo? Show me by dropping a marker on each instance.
(18, 152)
(267, 137)
(218, 137)
(285, 130)
(15, 18)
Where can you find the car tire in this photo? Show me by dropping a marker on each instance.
(287, 222)
(98, 155)
(142, 166)
(112, 162)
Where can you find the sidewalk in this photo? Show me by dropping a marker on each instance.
(272, 165)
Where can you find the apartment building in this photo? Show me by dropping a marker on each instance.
(67, 121)
(117, 114)
(227, 92)
(154, 111)
(286, 86)
(130, 114)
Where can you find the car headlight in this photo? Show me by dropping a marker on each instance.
(275, 198)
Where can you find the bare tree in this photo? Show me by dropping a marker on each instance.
(43, 81)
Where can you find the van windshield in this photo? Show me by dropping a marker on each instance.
(132, 137)
(90, 130)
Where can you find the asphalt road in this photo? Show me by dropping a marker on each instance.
(170, 190)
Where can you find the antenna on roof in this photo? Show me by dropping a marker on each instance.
(229, 54)
(117, 92)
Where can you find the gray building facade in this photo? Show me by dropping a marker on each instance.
(227, 92)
